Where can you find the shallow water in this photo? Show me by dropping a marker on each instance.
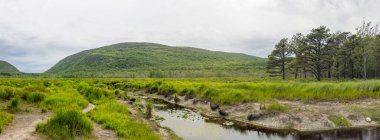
(192, 126)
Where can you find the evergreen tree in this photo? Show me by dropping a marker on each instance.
(279, 58)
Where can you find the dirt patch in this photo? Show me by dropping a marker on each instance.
(24, 125)
(88, 108)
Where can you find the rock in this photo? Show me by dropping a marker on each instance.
(223, 113)
(252, 117)
(214, 106)
(176, 99)
(227, 123)
(368, 119)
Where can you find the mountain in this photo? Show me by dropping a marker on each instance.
(6, 67)
(156, 60)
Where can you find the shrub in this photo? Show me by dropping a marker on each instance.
(66, 124)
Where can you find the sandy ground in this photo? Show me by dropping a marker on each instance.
(300, 116)
(24, 125)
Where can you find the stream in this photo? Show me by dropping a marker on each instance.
(191, 125)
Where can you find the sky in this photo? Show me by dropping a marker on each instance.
(36, 34)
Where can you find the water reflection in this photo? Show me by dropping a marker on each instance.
(192, 126)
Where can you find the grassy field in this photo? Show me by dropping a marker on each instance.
(233, 91)
(57, 95)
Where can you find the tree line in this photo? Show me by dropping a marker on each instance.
(323, 54)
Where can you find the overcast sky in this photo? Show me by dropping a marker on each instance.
(36, 34)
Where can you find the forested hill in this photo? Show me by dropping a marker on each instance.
(6, 67)
(156, 60)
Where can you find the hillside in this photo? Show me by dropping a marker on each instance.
(156, 60)
(6, 67)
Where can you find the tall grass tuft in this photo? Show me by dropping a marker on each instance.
(14, 104)
(66, 124)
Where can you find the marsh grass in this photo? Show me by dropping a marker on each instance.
(115, 116)
(339, 121)
(5, 119)
(13, 105)
(273, 107)
(66, 124)
(234, 91)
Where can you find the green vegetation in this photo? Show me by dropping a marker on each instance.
(274, 107)
(5, 119)
(339, 121)
(6, 68)
(113, 115)
(55, 95)
(14, 104)
(156, 60)
(66, 124)
(235, 90)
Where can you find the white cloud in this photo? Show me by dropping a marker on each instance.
(35, 34)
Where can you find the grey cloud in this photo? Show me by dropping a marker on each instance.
(34, 35)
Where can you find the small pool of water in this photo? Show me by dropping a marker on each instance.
(192, 126)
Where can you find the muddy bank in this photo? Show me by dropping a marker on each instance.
(299, 117)
(191, 125)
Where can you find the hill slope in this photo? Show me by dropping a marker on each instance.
(156, 60)
(6, 67)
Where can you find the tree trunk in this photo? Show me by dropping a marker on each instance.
(304, 72)
(365, 66)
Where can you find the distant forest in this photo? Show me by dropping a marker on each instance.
(323, 54)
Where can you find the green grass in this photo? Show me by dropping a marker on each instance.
(115, 116)
(66, 124)
(273, 107)
(237, 90)
(339, 121)
(5, 119)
